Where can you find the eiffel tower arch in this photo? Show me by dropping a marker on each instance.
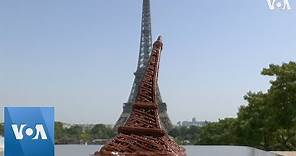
(144, 55)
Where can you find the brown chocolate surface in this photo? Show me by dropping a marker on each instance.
(142, 134)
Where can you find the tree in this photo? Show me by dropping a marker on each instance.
(269, 119)
(185, 135)
(74, 133)
(282, 102)
(100, 131)
(59, 132)
(1, 129)
(255, 122)
(85, 136)
(219, 133)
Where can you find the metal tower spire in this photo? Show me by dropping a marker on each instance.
(146, 35)
(145, 48)
(144, 55)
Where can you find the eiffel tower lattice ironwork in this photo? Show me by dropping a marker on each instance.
(142, 134)
(144, 55)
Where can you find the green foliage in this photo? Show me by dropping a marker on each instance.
(269, 119)
(218, 133)
(102, 132)
(255, 121)
(1, 129)
(59, 132)
(185, 135)
(65, 135)
(76, 134)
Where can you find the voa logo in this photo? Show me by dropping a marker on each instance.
(279, 4)
(29, 131)
(22, 129)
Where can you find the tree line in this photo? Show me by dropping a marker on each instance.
(77, 134)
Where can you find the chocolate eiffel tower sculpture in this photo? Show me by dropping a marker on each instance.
(142, 134)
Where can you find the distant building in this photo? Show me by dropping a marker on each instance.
(192, 123)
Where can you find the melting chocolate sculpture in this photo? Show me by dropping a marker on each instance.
(142, 134)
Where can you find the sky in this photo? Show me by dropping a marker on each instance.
(79, 56)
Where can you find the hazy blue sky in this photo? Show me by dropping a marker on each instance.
(80, 55)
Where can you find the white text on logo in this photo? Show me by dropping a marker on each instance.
(18, 131)
(279, 4)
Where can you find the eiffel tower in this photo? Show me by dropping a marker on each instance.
(142, 135)
(144, 55)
